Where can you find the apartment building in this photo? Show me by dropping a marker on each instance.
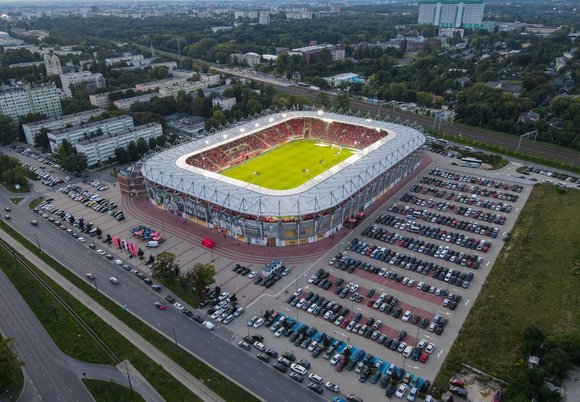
(125, 104)
(93, 81)
(452, 13)
(156, 85)
(187, 87)
(57, 123)
(101, 148)
(23, 100)
(85, 131)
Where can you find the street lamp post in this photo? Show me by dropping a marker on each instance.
(38, 242)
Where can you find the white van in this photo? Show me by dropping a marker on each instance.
(114, 280)
(152, 243)
(298, 369)
(469, 148)
(408, 350)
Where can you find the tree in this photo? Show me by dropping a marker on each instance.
(122, 155)
(8, 130)
(532, 339)
(202, 275)
(557, 362)
(10, 368)
(234, 300)
(41, 139)
(164, 265)
(342, 101)
(140, 253)
(322, 99)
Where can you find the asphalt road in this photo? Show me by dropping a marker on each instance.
(213, 347)
(504, 140)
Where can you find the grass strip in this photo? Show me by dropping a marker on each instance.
(535, 280)
(35, 202)
(72, 338)
(215, 381)
(104, 391)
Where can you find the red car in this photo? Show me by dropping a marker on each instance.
(498, 395)
(344, 323)
(340, 364)
(424, 357)
(160, 306)
(458, 382)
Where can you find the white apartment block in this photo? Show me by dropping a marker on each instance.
(100, 149)
(211, 80)
(57, 123)
(264, 18)
(183, 73)
(125, 104)
(451, 13)
(188, 87)
(20, 101)
(156, 85)
(83, 132)
(92, 80)
(225, 103)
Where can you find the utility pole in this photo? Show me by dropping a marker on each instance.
(179, 48)
(37, 242)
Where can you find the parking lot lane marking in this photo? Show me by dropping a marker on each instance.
(251, 379)
(467, 302)
(227, 266)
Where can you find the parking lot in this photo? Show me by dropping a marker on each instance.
(422, 258)
(407, 275)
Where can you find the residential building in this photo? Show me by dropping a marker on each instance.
(102, 100)
(57, 123)
(101, 148)
(125, 104)
(84, 131)
(264, 18)
(211, 80)
(224, 103)
(93, 81)
(156, 85)
(22, 100)
(251, 59)
(188, 87)
(311, 54)
(451, 13)
(52, 64)
(177, 73)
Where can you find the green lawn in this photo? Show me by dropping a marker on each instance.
(288, 165)
(535, 280)
(104, 391)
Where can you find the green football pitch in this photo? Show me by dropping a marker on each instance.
(288, 165)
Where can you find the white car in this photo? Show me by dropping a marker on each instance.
(298, 291)
(118, 262)
(258, 323)
(406, 316)
(430, 348)
(81, 239)
(252, 320)
(335, 359)
(252, 274)
(332, 386)
(101, 252)
(401, 390)
(228, 319)
(311, 308)
(216, 314)
(279, 332)
(300, 303)
(178, 306)
(208, 324)
(422, 344)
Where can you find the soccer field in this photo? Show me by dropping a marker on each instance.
(288, 165)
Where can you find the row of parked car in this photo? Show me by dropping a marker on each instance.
(46, 178)
(336, 351)
(42, 159)
(466, 188)
(444, 206)
(46, 208)
(434, 232)
(93, 201)
(99, 185)
(270, 280)
(476, 180)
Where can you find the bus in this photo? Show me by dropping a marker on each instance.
(471, 162)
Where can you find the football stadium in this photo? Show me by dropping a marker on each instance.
(283, 178)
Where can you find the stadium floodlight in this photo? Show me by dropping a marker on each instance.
(242, 130)
(271, 119)
(257, 125)
(369, 120)
(284, 115)
(320, 112)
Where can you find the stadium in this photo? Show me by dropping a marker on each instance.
(283, 178)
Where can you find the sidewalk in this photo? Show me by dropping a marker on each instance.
(179, 373)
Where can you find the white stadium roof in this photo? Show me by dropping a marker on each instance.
(168, 168)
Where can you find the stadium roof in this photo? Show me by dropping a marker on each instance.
(168, 169)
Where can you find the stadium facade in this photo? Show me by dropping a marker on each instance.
(185, 180)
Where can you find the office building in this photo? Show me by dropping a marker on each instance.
(451, 13)
(86, 131)
(311, 54)
(57, 123)
(23, 100)
(101, 148)
(92, 81)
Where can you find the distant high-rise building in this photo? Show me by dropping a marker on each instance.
(264, 18)
(451, 13)
(23, 100)
(52, 64)
(85, 77)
